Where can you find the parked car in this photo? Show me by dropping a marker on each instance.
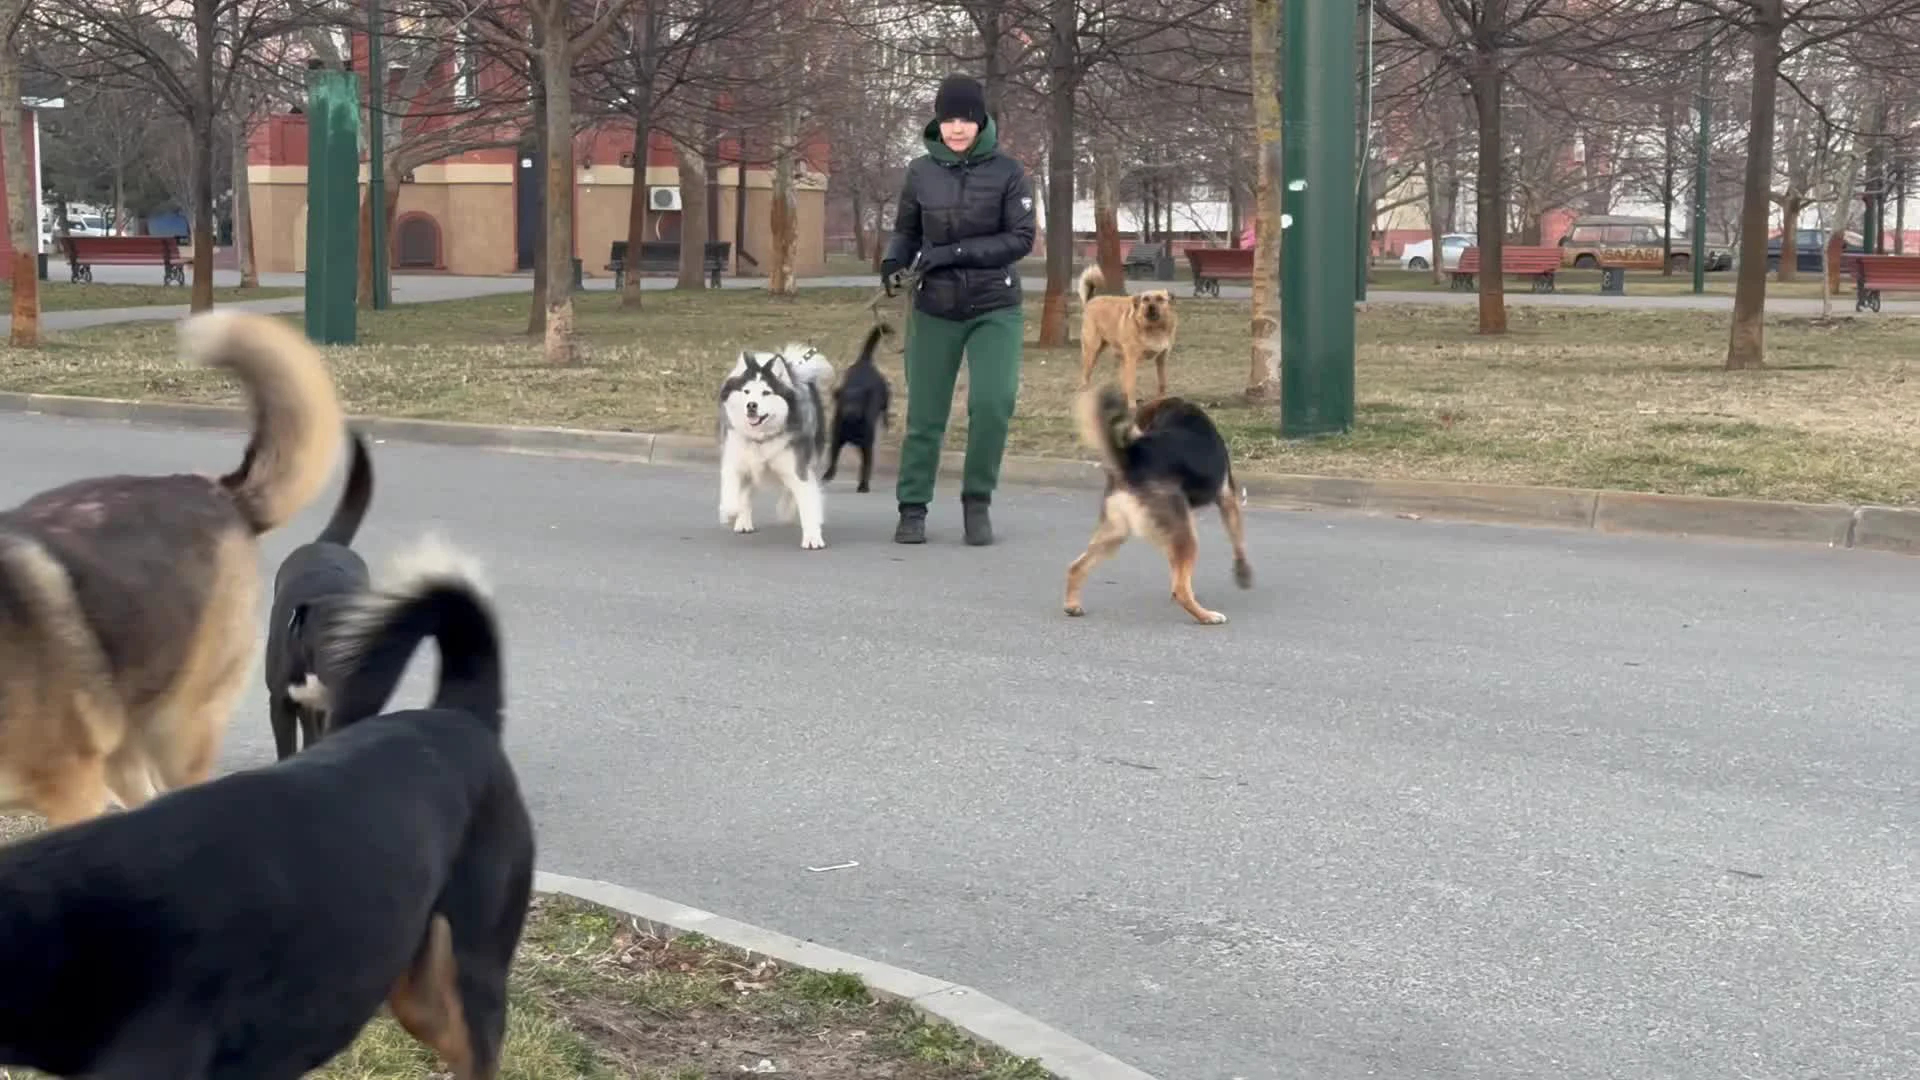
(1636, 243)
(1810, 241)
(1419, 254)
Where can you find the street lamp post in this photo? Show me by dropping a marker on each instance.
(376, 160)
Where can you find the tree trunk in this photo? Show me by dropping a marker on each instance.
(557, 69)
(880, 234)
(785, 210)
(23, 226)
(1436, 225)
(1492, 227)
(637, 205)
(1106, 214)
(692, 163)
(1667, 192)
(1791, 208)
(537, 311)
(363, 263)
(1746, 339)
(1837, 230)
(206, 39)
(120, 194)
(1053, 310)
(1263, 363)
(859, 222)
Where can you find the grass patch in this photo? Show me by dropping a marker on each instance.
(1615, 398)
(595, 996)
(65, 296)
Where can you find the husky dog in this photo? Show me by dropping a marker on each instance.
(772, 430)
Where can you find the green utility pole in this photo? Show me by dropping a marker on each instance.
(1703, 107)
(333, 205)
(1317, 211)
(377, 161)
(1364, 202)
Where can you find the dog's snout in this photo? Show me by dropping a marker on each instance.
(752, 407)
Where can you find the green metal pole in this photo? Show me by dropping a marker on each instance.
(1703, 108)
(1317, 211)
(333, 205)
(1364, 185)
(377, 160)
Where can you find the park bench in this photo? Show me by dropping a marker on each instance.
(1874, 274)
(1211, 266)
(1147, 259)
(1538, 263)
(85, 252)
(663, 257)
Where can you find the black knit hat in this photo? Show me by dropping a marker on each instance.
(961, 98)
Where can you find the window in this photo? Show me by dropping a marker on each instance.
(465, 59)
(1645, 234)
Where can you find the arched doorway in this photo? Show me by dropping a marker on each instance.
(416, 243)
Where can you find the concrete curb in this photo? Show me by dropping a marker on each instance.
(971, 1011)
(1834, 525)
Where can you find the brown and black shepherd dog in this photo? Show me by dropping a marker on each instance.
(1135, 326)
(127, 620)
(1169, 461)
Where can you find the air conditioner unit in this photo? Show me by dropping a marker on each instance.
(664, 198)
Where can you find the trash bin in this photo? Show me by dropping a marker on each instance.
(579, 273)
(43, 266)
(1613, 281)
(1163, 263)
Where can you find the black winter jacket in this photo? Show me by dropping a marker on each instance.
(973, 219)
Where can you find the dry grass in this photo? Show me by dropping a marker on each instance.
(1639, 283)
(1600, 397)
(595, 996)
(64, 296)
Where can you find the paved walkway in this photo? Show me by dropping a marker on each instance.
(1440, 802)
(424, 288)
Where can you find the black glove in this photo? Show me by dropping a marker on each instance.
(889, 276)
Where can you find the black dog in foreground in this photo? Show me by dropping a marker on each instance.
(311, 586)
(860, 409)
(248, 927)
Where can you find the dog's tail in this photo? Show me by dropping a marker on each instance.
(436, 592)
(1103, 421)
(880, 330)
(1091, 282)
(345, 522)
(44, 630)
(296, 414)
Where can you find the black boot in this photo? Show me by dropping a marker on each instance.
(913, 524)
(974, 520)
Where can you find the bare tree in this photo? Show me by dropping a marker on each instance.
(1263, 369)
(564, 33)
(189, 56)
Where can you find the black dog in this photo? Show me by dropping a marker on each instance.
(860, 409)
(248, 927)
(312, 584)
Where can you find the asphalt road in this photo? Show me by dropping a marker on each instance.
(1441, 801)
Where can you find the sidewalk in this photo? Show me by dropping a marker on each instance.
(428, 288)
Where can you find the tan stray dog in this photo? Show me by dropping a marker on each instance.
(1162, 466)
(1135, 326)
(127, 619)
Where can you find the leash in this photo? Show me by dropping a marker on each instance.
(909, 280)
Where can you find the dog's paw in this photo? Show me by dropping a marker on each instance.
(1243, 574)
(743, 523)
(1211, 618)
(863, 488)
(1075, 610)
(813, 542)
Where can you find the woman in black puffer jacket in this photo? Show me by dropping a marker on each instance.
(966, 213)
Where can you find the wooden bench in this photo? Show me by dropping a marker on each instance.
(1874, 274)
(663, 257)
(84, 252)
(1538, 263)
(1211, 266)
(1144, 259)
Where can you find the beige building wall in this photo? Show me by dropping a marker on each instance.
(472, 206)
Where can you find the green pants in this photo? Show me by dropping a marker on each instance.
(991, 344)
